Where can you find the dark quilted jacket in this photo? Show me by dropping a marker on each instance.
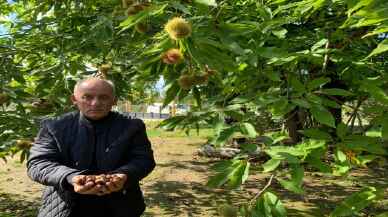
(63, 148)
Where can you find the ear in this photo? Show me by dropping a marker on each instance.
(73, 99)
(115, 101)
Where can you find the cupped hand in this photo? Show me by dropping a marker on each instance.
(116, 182)
(84, 184)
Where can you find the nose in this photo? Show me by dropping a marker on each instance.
(95, 102)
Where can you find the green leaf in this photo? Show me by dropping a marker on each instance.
(277, 151)
(322, 115)
(381, 48)
(317, 134)
(335, 92)
(240, 175)
(341, 130)
(364, 143)
(171, 123)
(297, 85)
(378, 30)
(248, 129)
(291, 186)
(271, 52)
(384, 214)
(310, 144)
(297, 174)
(272, 75)
(275, 205)
(171, 93)
(340, 155)
(384, 128)
(281, 107)
(271, 165)
(301, 102)
(355, 202)
(250, 148)
(318, 82)
(289, 157)
(280, 33)
(226, 169)
(226, 134)
(234, 174)
(319, 44)
(379, 94)
(134, 19)
(314, 159)
(364, 159)
(207, 2)
(330, 103)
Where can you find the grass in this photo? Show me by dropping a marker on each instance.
(154, 131)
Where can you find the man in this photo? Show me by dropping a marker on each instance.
(74, 150)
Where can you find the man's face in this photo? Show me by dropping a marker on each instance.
(94, 98)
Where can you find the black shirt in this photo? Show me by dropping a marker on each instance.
(93, 205)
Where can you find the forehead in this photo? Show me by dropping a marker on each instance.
(97, 87)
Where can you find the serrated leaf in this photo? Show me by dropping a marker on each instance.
(322, 115)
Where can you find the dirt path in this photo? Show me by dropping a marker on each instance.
(176, 187)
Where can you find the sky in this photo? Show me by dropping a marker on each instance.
(2, 29)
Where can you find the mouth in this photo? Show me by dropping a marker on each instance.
(95, 111)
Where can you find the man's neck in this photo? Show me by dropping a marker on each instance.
(101, 120)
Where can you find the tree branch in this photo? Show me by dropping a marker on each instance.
(262, 190)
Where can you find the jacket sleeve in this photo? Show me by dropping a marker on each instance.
(141, 157)
(43, 165)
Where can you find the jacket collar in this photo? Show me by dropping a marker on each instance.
(99, 123)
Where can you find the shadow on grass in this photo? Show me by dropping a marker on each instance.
(188, 165)
(191, 198)
(12, 205)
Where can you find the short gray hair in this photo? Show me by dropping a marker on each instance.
(109, 82)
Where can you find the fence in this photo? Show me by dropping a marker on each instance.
(144, 115)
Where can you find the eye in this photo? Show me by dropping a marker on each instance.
(104, 98)
(87, 97)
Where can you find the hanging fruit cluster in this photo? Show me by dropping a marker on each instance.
(178, 28)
